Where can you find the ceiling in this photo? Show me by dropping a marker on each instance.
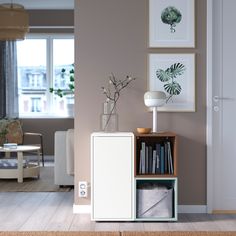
(43, 4)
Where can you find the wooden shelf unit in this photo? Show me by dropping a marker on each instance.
(152, 140)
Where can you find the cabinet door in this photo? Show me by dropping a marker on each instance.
(112, 178)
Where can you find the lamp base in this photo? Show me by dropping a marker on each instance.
(154, 119)
(159, 132)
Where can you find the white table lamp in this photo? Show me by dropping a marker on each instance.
(154, 99)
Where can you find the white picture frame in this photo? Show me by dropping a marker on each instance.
(173, 74)
(177, 31)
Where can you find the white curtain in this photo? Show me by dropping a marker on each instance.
(9, 82)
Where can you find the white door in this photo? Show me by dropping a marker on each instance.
(224, 105)
(112, 181)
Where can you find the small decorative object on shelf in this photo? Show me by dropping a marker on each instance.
(109, 117)
(144, 130)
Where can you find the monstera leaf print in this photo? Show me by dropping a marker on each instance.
(173, 88)
(176, 69)
(163, 75)
(168, 75)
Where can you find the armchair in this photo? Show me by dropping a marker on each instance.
(11, 131)
(64, 158)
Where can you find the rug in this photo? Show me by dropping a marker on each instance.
(44, 184)
(182, 233)
(99, 233)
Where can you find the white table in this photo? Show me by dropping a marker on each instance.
(20, 172)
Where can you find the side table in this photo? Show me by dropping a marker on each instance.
(21, 172)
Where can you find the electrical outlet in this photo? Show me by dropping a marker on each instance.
(83, 189)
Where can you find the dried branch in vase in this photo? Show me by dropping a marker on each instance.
(113, 91)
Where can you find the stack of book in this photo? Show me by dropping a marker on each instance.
(156, 159)
(10, 145)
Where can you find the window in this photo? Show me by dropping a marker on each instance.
(40, 60)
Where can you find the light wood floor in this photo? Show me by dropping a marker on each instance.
(52, 211)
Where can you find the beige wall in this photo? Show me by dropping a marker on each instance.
(50, 18)
(111, 36)
(47, 127)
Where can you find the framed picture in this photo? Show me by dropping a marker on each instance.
(172, 23)
(173, 74)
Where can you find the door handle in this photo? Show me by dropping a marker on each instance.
(217, 98)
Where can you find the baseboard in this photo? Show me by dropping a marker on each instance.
(192, 209)
(81, 209)
(86, 209)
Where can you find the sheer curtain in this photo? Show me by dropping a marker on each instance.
(8, 80)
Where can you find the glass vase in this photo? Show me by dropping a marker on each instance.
(109, 117)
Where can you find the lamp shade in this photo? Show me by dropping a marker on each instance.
(14, 22)
(154, 98)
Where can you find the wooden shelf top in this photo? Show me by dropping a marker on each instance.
(143, 176)
(161, 134)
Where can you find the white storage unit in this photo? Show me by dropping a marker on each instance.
(122, 189)
(112, 176)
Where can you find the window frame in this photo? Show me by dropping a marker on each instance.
(49, 73)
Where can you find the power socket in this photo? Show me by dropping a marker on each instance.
(83, 189)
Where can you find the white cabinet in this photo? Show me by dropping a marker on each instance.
(112, 157)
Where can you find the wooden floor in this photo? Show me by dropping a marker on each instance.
(52, 211)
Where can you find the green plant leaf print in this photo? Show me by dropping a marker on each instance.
(173, 88)
(171, 16)
(163, 75)
(176, 69)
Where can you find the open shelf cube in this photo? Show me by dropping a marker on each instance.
(156, 155)
(156, 199)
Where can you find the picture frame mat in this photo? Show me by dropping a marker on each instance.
(157, 28)
(185, 102)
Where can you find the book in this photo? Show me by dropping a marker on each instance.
(166, 157)
(158, 153)
(10, 145)
(158, 168)
(154, 161)
(162, 160)
(143, 161)
(140, 162)
(146, 160)
(170, 159)
(143, 151)
(150, 159)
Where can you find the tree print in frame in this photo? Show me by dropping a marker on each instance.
(173, 74)
(172, 23)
